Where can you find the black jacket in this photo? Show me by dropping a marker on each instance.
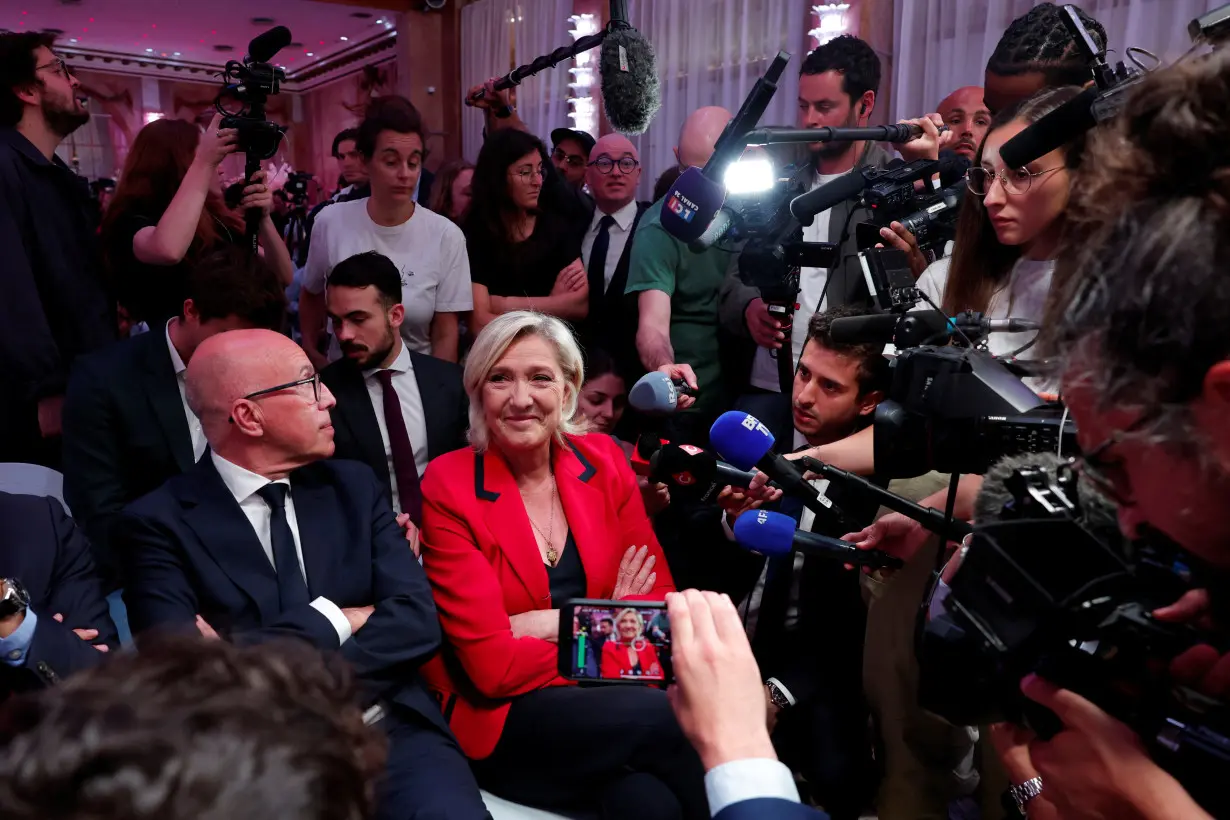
(42, 548)
(125, 433)
(356, 432)
(54, 305)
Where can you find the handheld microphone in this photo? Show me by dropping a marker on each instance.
(631, 90)
(693, 470)
(263, 46)
(697, 195)
(746, 443)
(804, 207)
(657, 393)
(773, 534)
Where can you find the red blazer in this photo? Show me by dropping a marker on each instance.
(615, 662)
(483, 563)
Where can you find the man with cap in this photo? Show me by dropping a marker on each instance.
(570, 154)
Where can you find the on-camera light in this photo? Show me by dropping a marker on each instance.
(749, 176)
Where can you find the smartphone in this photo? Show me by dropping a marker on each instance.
(603, 641)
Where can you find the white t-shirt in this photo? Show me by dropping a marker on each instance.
(428, 250)
(1023, 297)
(811, 287)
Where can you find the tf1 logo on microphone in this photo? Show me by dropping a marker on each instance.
(681, 206)
(754, 424)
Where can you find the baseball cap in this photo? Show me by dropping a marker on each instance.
(560, 134)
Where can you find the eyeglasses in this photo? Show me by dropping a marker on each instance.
(1108, 478)
(575, 160)
(605, 164)
(524, 174)
(1016, 181)
(59, 65)
(313, 380)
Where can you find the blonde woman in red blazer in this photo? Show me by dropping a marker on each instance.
(533, 513)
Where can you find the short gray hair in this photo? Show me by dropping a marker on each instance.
(491, 344)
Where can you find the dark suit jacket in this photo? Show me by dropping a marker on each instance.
(763, 808)
(41, 547)
(124, 434)
(188, 548)
(611, 322)
(480, 554)
(356, 432)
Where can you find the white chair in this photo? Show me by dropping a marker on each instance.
(502, 809)
(32, 479)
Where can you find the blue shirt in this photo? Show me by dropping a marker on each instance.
(15, 647)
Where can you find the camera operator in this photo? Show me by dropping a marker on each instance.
(169, 212)
(1139, 317)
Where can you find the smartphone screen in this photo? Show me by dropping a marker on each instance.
(609, 641)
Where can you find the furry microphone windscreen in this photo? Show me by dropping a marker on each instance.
(631, 90)
(1097, 511)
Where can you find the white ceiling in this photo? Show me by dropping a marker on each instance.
(184, 32)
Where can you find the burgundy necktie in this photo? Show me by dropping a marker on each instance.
(405, 471)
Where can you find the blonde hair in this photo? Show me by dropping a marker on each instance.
(493, 342)
(640, 621)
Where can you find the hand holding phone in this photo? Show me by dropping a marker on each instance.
(610, 641)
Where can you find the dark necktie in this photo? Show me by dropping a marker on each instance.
(292, 589)
(597, 264)
(406, 472)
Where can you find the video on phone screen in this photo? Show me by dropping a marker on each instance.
(622, 643)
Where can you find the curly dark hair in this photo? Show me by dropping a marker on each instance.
(873, 372)
(1141, 299)
(1039, 41)
(17, 69)
(849, 56)
(188, 729)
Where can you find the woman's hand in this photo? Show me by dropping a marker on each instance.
(216, 144)
(539, 623)
(258, 194)
(896, 236)
(571, 278)
(636, 575)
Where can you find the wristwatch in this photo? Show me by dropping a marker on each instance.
(14, 599)
(777, 695)
(1025, 792)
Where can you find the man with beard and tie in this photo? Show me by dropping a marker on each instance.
(55, 306)
(837, 89)
(396, 409)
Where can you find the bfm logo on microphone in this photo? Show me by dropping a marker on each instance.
(754, 424)
(681, 206)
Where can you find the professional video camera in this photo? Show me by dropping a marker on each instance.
(296, 188)
(251, 84)
(1049, 590)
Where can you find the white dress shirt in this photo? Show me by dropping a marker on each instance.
(619, 234)
(194, 424)
(749, 779)
(407, 388)
(243, 484)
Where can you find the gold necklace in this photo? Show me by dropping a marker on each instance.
(549, 535)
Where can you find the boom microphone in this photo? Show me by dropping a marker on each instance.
(882, 328)
(746, 443)
(818, 200)
(1054, 130)
(263, 46)
(657, 393)
(774, 535)
(901, 132)
(631, 90)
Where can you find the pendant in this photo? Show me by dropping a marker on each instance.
(552, 556)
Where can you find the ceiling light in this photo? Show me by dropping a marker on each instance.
(177, 54)
(73, 40)
(149, 51)
(378, 22)
(310, 54)
(345, 39)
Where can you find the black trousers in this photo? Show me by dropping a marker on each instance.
(427, 776)
(826, 740)
(614, 749)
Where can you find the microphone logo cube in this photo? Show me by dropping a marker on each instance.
(681, 206)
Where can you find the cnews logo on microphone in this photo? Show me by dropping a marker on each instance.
(683, 479)
(681, 206)
(691, 449)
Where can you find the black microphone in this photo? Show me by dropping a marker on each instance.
(631, 90)
(882, 328)
(263, 46)
(804, 207)
(1052, 131)
(657, 393)
(691, 470)
(901, 132)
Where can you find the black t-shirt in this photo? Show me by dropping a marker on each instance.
(527, 268)
(152, 293)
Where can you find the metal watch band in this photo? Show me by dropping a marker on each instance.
(14, 599)
(1026, 791)
(777, 696)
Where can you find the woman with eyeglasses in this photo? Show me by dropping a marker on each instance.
(1009, 228)
(169, 210)
(522, 256)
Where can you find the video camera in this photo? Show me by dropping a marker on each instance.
(251, 84)
(296, 188)
(1047, 589)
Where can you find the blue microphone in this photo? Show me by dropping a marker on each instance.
(773, 535)
(742, 440)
